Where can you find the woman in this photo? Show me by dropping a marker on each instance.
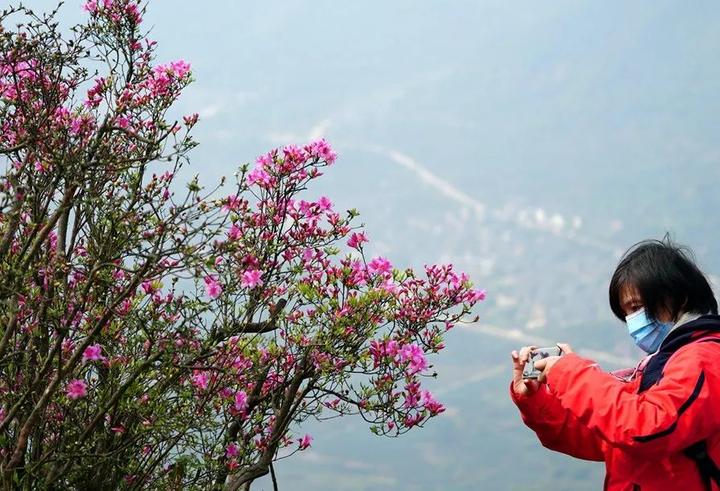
(657, 427)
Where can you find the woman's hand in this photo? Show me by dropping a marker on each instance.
(521, 386)
(546, 364)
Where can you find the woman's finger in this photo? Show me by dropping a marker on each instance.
(517, 365)
(541, 365)
(525, 353)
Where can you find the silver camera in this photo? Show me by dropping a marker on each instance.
(529, 372)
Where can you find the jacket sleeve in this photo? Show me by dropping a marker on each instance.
(557, 428)
(667, 418)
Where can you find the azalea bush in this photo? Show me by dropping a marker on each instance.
(155, 336)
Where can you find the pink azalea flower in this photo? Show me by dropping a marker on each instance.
(305, 208)
(266, 160)
(356, 240)
(324, 203)
(411, 421)
(123, 122)
(76, 389)
(390, 286)
(240, 401)
(132, 11)
(321, 150)
(232, 451)
(125, 307)
(431, 404)
(93, 353)
(234, 233)
(260, 177)
(180, 68)
(293, 154)
(358, 275)
(305, 441)
(411, 400)
(149, 287)
(251, 278)
(212, 287)
(414, 356)
(232, 203)
(200, 380)
(474, 296)
(392, 348)
(90, 6)
(377, 351)
(39, 167)
(191, 119)
(308, 255)
(379, 265)
(67, 345)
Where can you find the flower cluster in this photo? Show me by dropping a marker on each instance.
(116, 11)
(181, 341)
(314, 317)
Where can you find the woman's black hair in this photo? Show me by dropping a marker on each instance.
(666, 277)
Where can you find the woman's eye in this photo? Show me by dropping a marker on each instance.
(632, 308)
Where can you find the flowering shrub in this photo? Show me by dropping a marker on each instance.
(150, 340)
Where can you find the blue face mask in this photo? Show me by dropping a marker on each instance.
(648, 334)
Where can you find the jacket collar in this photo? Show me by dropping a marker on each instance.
(687, 331)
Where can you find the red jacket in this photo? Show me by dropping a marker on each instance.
(640, 434)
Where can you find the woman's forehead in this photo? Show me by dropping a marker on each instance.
(628, 293)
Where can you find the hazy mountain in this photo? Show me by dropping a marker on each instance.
(528, 143)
